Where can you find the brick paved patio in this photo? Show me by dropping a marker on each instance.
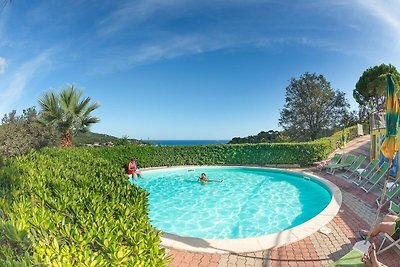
(357, 211)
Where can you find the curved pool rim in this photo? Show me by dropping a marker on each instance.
(264, 242)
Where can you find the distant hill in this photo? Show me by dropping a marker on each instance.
(82, 139)
(263, 137)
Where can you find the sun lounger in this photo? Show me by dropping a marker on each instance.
(353, 167)
(394, 208)
(391, 192)
(323, 164)
(392, 243)
(367, 172)
(378, 176)
(353, 257)
(346, 162)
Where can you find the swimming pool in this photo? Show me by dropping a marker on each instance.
(250, 203)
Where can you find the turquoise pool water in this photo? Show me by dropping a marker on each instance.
(250, 202)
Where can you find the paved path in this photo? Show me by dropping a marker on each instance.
(357, 211)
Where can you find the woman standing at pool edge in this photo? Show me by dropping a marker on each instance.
(133, 170)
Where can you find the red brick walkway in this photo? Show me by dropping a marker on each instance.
(316, 250)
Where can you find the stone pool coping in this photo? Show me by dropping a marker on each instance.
(244, 245)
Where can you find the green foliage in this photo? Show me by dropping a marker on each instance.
(335, 140)
(19, 134)
(67, 112)
(304, 153)
(240, 154)
(371, 86)
(312, 108)
(84, 138)
(68, 208)
(262, 137)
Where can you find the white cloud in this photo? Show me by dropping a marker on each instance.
(174, 46)
(16, 86)
(3, 65)
(165, 44)
(134, 11)
(385, 11)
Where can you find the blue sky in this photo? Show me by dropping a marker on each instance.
(189, 69)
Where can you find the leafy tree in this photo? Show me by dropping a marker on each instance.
(312, 108)
(67, 113)
(19, 134)
(371, 86)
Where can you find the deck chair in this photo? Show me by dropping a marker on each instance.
(365, 173)
(387, 237)
(323, 164)
(391, 192)
(353, 257)
(378, 176)
(394, 208)
(393, 243)
(342, 164)
(354, 167)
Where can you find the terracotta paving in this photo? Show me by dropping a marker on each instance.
(357, 212)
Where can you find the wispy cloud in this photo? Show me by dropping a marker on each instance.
(136, 11)
(3, 65)
(119, 58)
(133, 12)
(385, 11)
(249, 31)
(17, 84)
(124, 57)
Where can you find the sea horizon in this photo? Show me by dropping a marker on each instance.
(187, 142)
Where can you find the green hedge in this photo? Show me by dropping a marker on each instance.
(336, 139)
(64, 207)
(240, 154)
(262, 154)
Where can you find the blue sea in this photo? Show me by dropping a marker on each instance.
(187, 142)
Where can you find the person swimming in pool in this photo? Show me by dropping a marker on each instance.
(203, 179)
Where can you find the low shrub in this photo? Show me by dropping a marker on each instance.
(63, 207)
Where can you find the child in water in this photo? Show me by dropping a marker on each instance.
(203, 179)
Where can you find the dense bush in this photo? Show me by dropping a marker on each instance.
(67, 208)
(21, 133)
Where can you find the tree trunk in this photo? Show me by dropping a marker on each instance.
(66, 139)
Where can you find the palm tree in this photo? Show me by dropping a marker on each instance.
(67, 112)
